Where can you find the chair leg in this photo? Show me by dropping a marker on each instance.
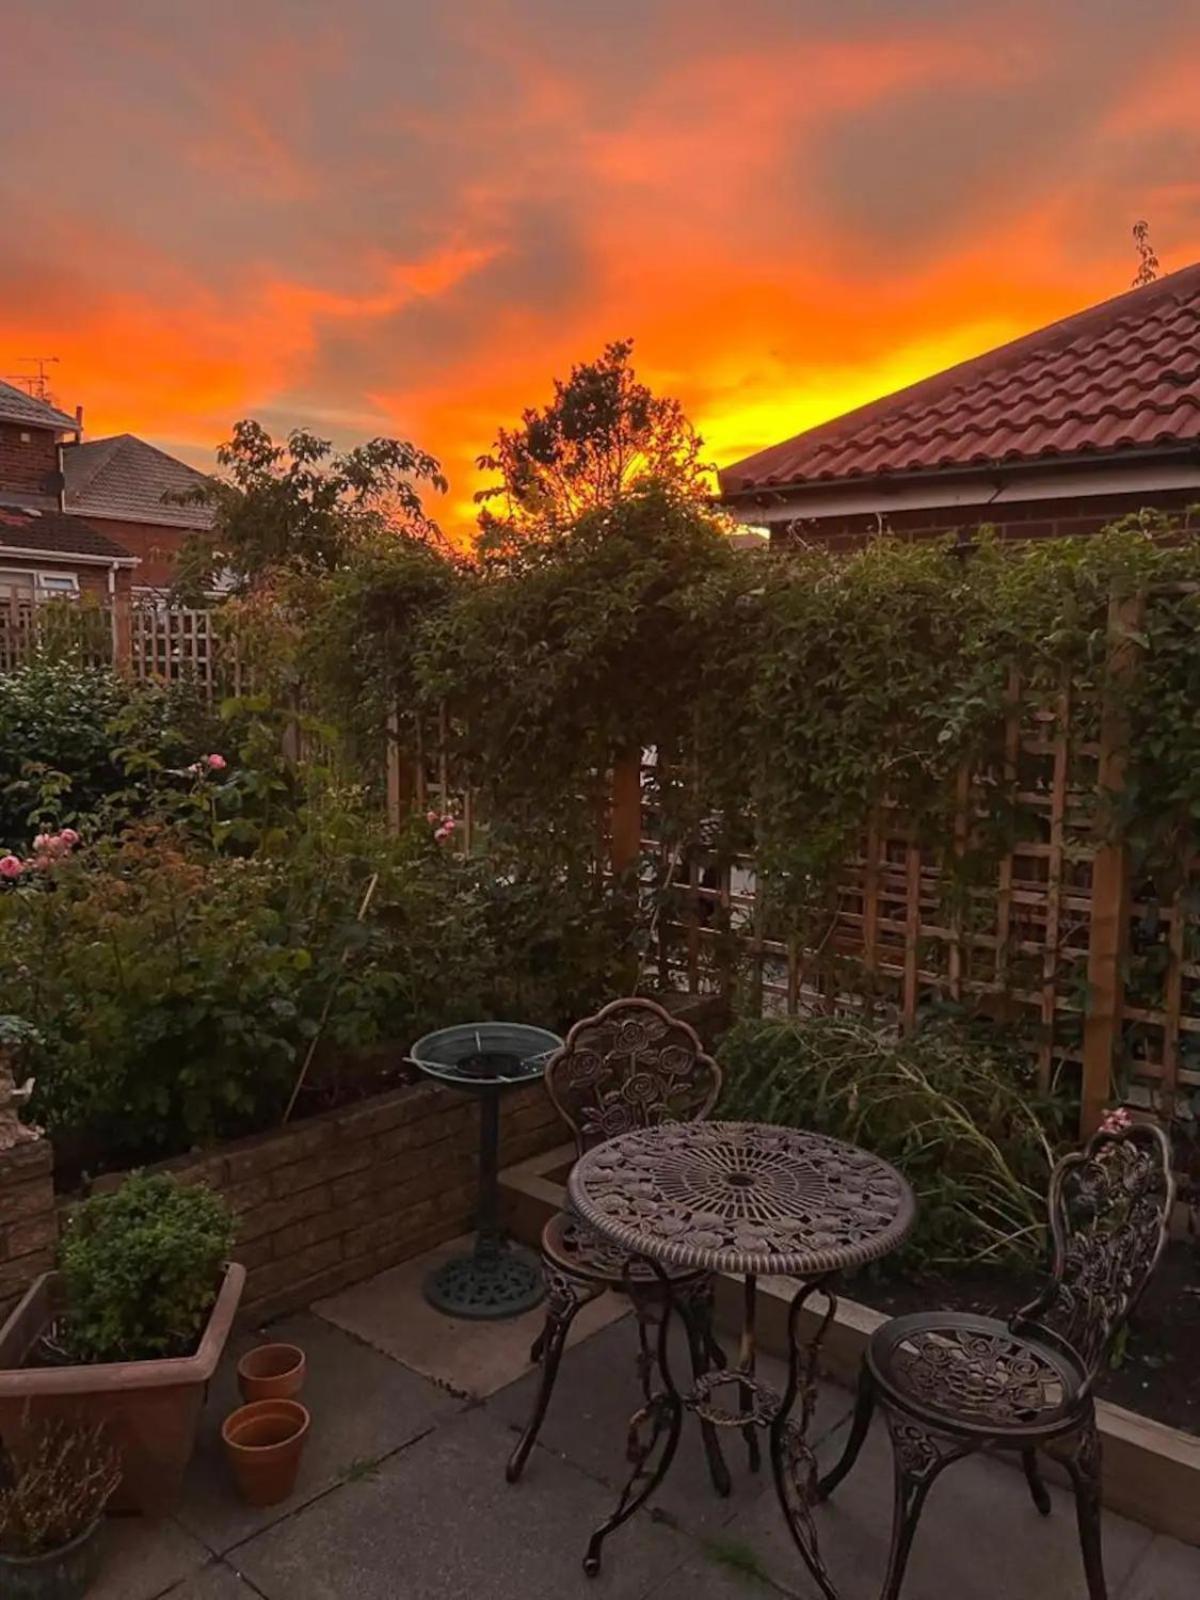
(696, 1312)
(917, 1459)
(864, 1408)
(561, 1307)
(1084, 1466)
(1041, 1495)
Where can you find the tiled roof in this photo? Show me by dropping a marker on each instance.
(126, 477)
(56, 534)
(17, 406)
(1123, 375)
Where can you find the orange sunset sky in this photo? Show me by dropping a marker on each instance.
(385, 216)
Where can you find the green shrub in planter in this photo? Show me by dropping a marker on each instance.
(141, 1268)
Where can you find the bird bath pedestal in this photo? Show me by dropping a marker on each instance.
(497, 1279)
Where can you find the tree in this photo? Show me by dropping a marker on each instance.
(302, 508)
(602, 434)
(1148, 268)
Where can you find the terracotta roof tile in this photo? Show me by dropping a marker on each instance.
(1121, 375)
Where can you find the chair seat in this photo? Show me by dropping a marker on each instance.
(965, 1372)
(583, 1253)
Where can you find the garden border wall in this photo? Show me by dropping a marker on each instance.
(320, 1203)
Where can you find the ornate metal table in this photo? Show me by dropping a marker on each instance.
(484, 1058)
(749, 1199)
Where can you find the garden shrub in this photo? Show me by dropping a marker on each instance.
(175, 987)
(953, 1107)
(141, 1269)
(76, 740)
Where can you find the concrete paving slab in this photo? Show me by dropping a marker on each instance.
(216, 1582)
(1167, 1571)
(437, 1522)
(474, 1359)
(363, 1407)
(725, 1569)
(142, 1557)
(596, 1394)
(980, 1537)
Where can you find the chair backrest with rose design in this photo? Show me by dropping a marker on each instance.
(632, 1065)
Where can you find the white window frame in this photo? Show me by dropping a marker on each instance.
(44, 590)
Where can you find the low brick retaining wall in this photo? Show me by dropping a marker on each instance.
(28, 1218)
(320, 1204)
(325, 1202)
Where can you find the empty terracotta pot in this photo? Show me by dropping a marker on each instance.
(264, 1442)
(271, 1372)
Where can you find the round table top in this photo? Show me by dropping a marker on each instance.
(743, 1197)
(483, 1055)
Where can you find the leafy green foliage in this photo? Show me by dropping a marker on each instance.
(141, 1268)
(602, 435)
(76, 741)
(956, 1110)
(300, 506)
(583, 650)
(176, 985)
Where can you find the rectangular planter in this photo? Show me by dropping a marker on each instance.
(151, 1407)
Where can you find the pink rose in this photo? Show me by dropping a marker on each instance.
(448, 824)
(1116, 1121)
(69, 837)
(431, 817)
(196, 768)
(44, 841)
(11, 867)
(216, 763)
(443, 833)
(40, 863)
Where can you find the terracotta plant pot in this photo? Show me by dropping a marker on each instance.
(271, 1372)
(263, 1443)
(152, 1408)
(65, 1574)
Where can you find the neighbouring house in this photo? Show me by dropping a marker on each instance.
(44, 553)
(135, 494)
(1059, 432)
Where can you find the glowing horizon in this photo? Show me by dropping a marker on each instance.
(392, 221)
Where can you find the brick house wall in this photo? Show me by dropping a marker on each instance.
(1030, 519)
(28, 457)
(155, 545)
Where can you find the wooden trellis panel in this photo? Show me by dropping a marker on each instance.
(1109, 982)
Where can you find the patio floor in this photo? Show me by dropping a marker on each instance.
(402, 1491)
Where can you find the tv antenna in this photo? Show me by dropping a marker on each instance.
(36, 384)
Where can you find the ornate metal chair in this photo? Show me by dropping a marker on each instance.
(632, 1065)
(950, 1383)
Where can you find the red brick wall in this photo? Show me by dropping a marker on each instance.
(28, 1218)
(156, 546)
(339, 1197)
(26, 465)
(1032, 519)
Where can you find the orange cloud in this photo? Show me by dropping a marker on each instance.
(387, 218)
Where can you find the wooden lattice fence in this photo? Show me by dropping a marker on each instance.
(1059, 935)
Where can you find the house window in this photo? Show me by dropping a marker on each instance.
(57, 585)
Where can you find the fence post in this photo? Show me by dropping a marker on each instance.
(122, 631)
(625, 825)
(1110, 876)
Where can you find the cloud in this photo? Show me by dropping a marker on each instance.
(381, 216)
